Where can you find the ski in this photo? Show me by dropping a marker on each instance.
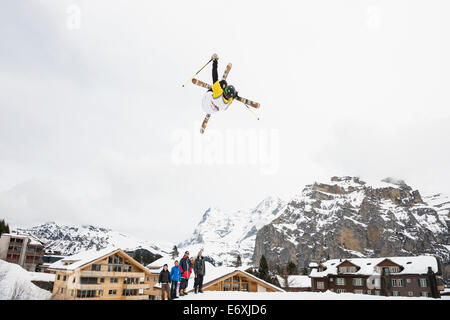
(249, 102)
(227, 70)
(201, 83)
(205, 122)
(243, 100)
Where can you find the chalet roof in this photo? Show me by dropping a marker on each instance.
(80, 259)
(411, 265)
(295, 281)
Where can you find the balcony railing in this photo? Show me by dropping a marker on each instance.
(116, 274)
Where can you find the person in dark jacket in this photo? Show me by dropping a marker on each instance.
(199, 270)
(186, 270)
(175, 276)
(164, 279)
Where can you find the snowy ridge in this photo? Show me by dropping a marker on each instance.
(73, 239)
(223, 235)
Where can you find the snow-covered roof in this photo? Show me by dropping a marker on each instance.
(41, 276)
(295, 281)
(80, 259)
(157, 264)
(214, 273)
(313, 264)
(411, 265)
(32, 240)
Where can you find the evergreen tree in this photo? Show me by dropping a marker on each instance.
(291, 268)
(305, 271)
(263, 269)
(4, 228)
(238, 262)
(174, 252)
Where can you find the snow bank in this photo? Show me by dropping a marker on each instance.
(15, 284)
(238, 295)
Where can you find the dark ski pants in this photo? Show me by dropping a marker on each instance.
(184, 283)
(198, 282)
(165, 290)
(173, 289)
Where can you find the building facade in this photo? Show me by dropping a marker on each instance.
(23, 250)
(101, 275)
(393, 276)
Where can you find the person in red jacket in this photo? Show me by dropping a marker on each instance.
(186, 270)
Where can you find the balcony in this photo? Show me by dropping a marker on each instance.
(103, 274)
(137, 286)
(139, 297)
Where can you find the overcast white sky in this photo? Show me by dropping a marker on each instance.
(88, 114)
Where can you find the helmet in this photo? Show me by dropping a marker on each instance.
(229, 92)
(223, 84)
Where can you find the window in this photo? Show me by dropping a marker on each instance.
(227, 285)
(424, 294)
(113, 280)
(357, 282)
(377, 292)
(394, 269)
(62, 290)
(410, 294)
(95, 267)
(88, 280)
(358, 291)
(340, 290)
(408, 280)
(112, 292)
(85, 293)
(423, 283)
(320, 285)
(102, 280)
(369, 292)
(396, 293)
(244, 286)
(59, 277)
(340, 281)
(64, 278)
(100, 292)
(130, 292)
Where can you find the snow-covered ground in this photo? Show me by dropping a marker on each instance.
(238, 295)
(15, 284)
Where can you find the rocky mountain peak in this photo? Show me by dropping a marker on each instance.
(347, 217)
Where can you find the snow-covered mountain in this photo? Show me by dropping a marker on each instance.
(347, 217)
(72, 239)
(223, 235)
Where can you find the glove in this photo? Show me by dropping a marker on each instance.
(215, 57)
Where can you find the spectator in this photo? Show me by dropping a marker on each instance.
(186, 269)
(199, 270)
(175, 276)
(164, 279)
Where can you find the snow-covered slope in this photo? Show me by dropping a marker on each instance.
(15, 284)
(223, 235)
(72, 239)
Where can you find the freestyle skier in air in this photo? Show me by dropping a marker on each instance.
(221, 95)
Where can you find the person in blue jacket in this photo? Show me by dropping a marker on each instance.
(175, 276)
